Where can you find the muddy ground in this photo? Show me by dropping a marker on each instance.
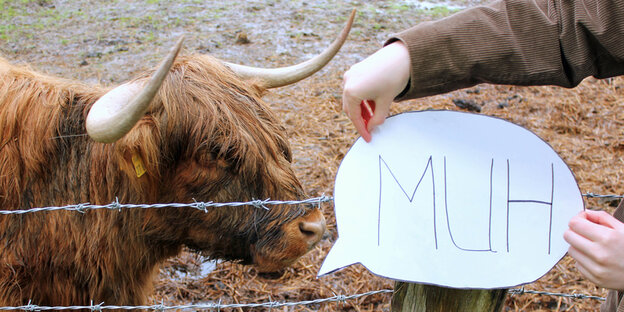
(108, 42)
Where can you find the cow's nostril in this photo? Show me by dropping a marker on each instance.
(313, 231)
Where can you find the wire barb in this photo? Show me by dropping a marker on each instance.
(201, 205)
(115, 205)
(97, 307)
(160, 307)
(80, 208)
(30, 306)
(260, 203)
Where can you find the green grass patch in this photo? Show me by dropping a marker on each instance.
(440, 11)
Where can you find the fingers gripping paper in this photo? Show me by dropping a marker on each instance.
(454, 199)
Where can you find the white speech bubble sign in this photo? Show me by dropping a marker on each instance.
(453, 199)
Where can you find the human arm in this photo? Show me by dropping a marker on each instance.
(597, 244)
(516, 42)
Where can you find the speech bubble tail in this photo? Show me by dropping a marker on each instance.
(339, 257)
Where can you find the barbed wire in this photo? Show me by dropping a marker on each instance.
(205, 306)
(203, 206)
(521, 291)
(269, 304)
(592, 195)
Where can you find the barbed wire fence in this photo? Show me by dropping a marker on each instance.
(218, 306)
(203, 206)
(270, 304)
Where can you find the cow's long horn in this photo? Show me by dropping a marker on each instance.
(281, 76)
(116, 112)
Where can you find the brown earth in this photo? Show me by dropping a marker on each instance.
(107, 42)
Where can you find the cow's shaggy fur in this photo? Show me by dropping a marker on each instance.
(207, 136)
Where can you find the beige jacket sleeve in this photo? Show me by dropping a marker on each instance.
(519, 42)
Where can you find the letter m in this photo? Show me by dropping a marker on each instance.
(390, 198)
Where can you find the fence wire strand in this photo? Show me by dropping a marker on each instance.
(521, 291)
(261, 204)
(269, 304)
(204, 306)
(592, 195)
(203, 206)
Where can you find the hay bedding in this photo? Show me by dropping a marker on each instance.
(583, 125)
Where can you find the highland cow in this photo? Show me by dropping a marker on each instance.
(199, 131)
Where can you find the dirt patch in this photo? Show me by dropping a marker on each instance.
(108, 42)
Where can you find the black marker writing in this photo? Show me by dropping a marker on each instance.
(448, 222)
(533, 201)
(429, 167)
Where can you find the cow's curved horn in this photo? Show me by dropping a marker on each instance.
(116, 112)
(282, 76)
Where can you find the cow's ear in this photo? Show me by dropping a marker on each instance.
(140, 150)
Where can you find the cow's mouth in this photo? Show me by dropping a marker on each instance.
(272, 275)
(268, 264)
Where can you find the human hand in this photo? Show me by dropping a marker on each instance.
(597, 244)
(379, 78)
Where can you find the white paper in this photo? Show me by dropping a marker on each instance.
(454, 199)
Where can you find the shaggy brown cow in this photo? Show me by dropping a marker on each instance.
(206, 136)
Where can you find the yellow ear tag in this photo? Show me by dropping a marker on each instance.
(138, 164)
